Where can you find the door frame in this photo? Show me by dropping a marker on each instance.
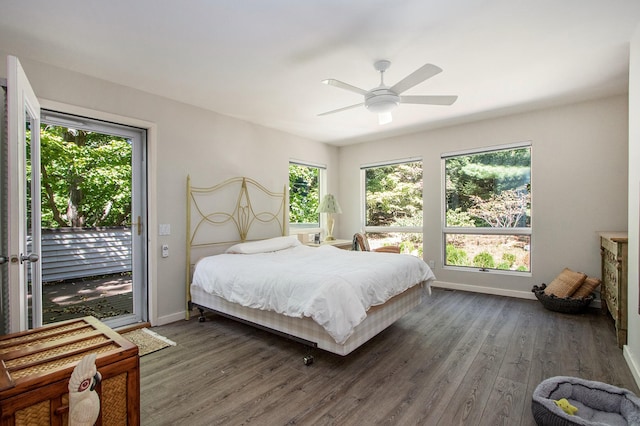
(151, 201)
(138, 220)
(21, 99)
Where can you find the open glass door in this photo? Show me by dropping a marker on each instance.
(94, 208)
(23, 211)
(93, 218)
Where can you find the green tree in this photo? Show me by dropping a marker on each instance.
(507, 209)
(456, 256)
(485, 174)
(484, 260)
(86, 178)
(394, 194)
(303, 193)
(457, 217)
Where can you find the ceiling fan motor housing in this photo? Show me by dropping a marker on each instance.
(381, 100)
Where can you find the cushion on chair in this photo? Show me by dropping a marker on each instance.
(388, 249)
(360, 242)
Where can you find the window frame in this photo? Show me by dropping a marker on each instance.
(302, 228)
(514, 231)
(363, 200)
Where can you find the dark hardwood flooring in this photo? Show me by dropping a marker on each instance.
(459, 358)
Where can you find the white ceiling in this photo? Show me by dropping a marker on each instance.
(263, 60)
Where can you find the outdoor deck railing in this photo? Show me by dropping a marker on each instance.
(82, 252)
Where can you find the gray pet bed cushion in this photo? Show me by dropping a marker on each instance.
(598, 403)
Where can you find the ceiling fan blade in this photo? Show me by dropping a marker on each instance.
(345, 86)
(385, 118)
(416, 77)
(342, 109)
(428, 100)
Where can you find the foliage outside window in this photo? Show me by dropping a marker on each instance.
(393, 205)
(488, 209)
(304, 196)
(85, 178)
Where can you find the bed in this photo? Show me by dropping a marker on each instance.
(241, 264)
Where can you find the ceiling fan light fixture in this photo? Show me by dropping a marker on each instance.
(381, 101)
(385, 118)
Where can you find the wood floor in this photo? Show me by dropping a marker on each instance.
(459, 358)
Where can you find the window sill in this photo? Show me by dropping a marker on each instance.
(488, 271)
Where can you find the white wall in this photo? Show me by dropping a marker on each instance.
(632, 349)
(189, 140)
(579, 185)
(579, 179)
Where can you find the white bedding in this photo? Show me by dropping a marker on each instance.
(332, 286)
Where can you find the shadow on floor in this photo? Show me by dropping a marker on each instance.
(103, 297)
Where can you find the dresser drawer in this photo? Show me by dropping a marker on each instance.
(611, 281)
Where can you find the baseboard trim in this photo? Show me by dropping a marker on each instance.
(168, 319)
(498, 291)
(486, 290)
(631, 362)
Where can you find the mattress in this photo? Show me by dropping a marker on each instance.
(308, 331)
(335, 288)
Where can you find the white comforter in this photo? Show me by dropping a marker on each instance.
(334, 287)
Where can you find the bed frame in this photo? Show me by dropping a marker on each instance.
(238, 210)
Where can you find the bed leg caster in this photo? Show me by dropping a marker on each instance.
(201, 318)
(307, 360)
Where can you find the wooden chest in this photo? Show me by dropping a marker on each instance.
(35, 367)
(613, 248)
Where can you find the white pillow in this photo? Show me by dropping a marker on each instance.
(265, 246)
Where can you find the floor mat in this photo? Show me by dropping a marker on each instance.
(147, 341)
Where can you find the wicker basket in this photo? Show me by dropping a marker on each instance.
(567, 305)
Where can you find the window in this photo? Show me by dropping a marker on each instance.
(487, 208)
(304, 195)
(393, 205)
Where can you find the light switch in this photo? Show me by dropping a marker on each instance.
(165, 250)
(164, 229)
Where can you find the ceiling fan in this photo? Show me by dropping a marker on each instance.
(383, 99)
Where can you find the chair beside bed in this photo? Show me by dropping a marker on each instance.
(361, 242)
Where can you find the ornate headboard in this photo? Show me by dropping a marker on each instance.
(236, 210)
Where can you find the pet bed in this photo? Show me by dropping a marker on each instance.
(597, 403)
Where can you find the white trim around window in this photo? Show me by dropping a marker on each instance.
(295, 228)
(489, 231)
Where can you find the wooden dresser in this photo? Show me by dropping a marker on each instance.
(613, 249)
(35, 367)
